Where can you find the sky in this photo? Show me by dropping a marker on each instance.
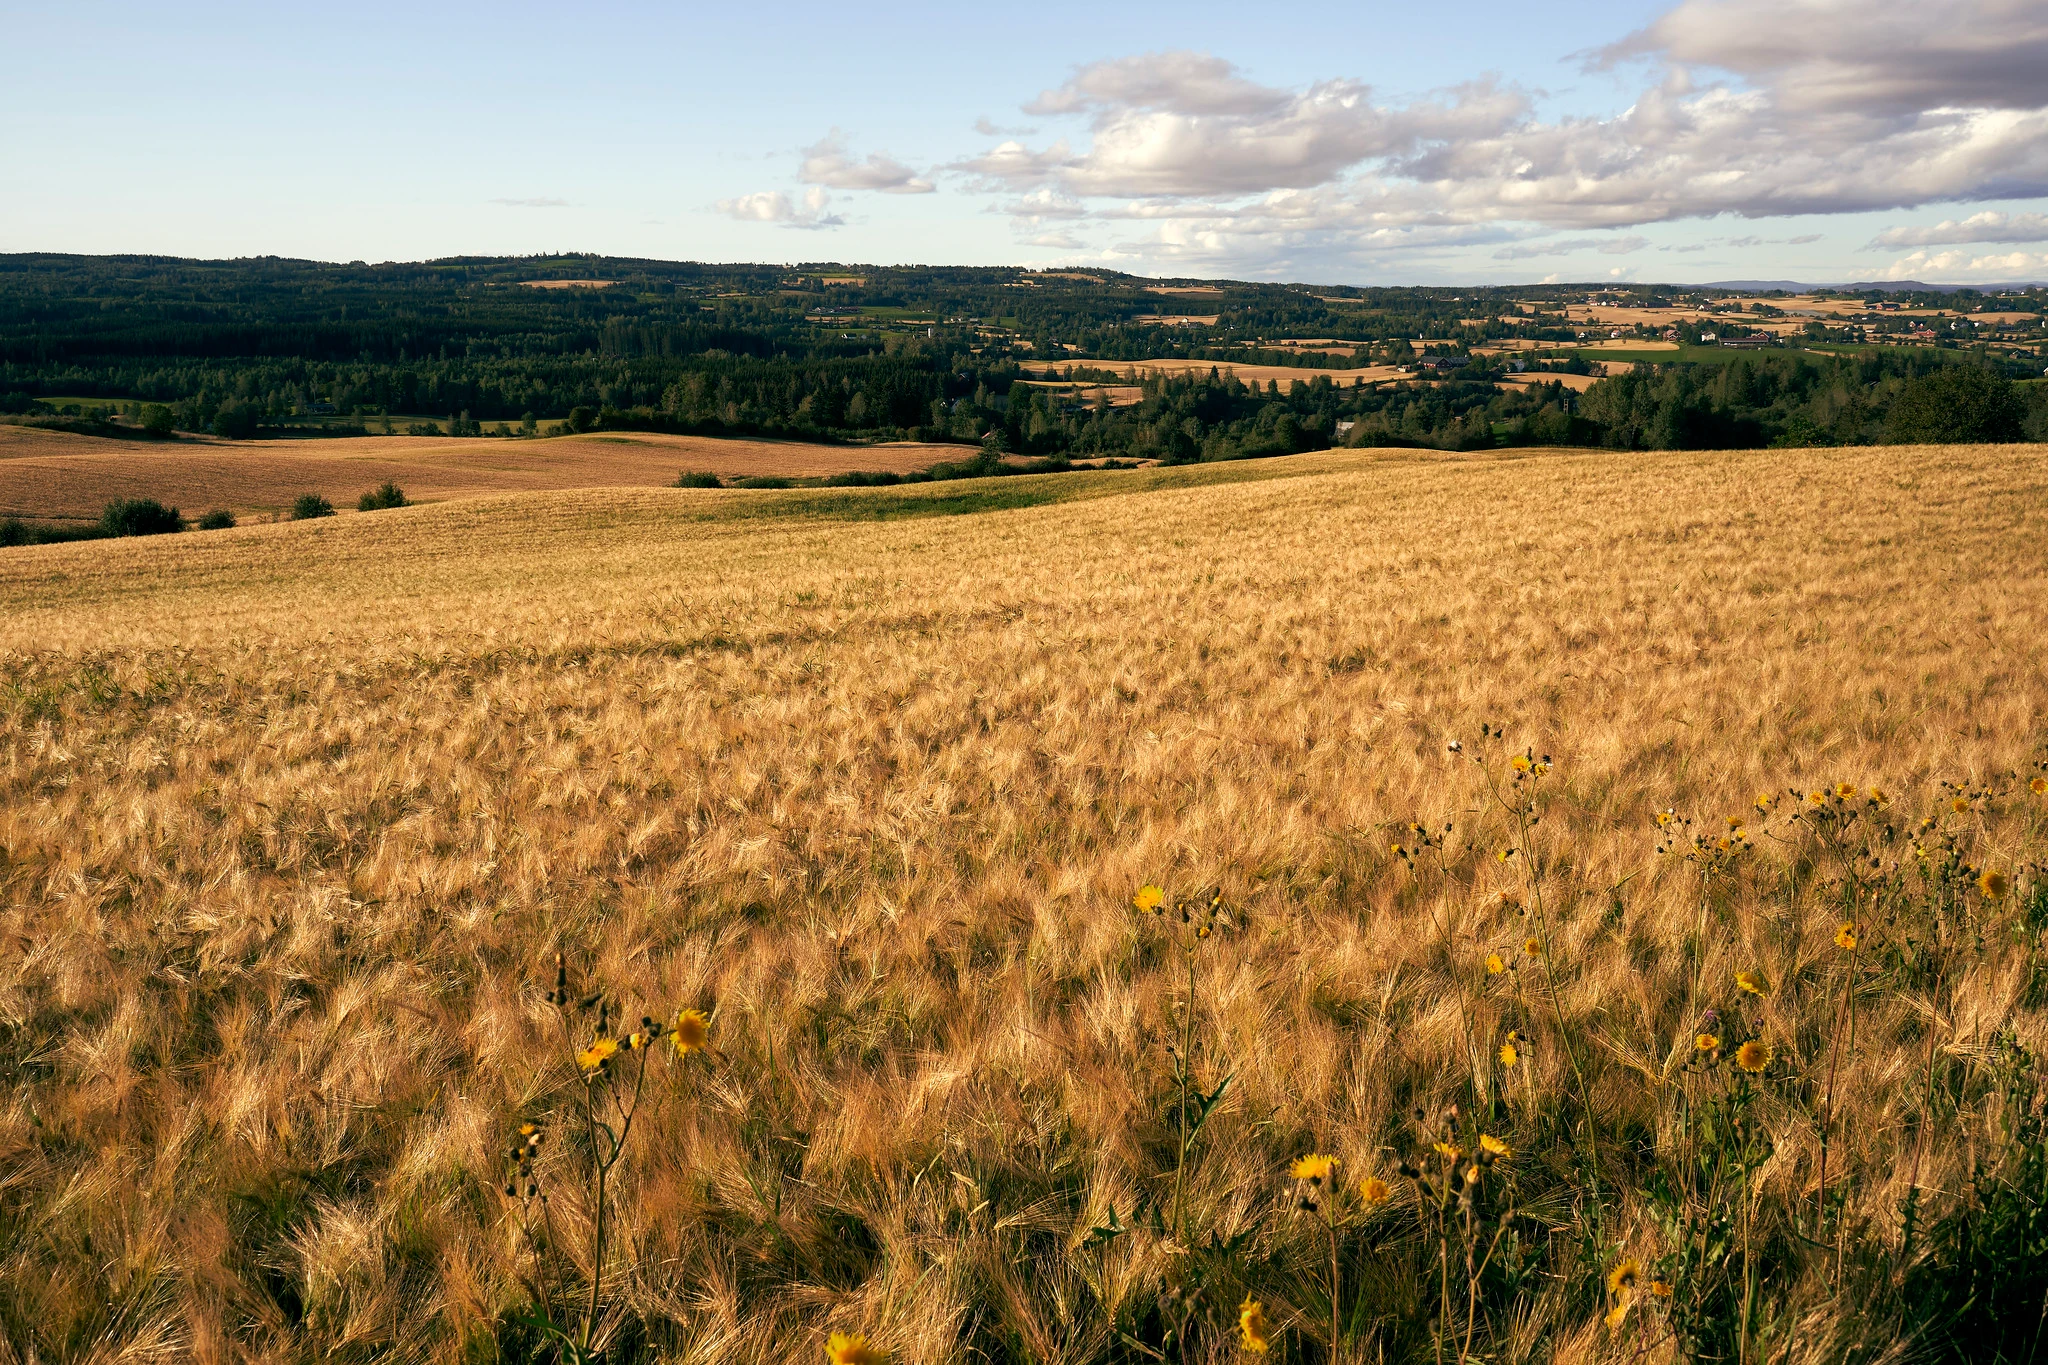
(1824, 141)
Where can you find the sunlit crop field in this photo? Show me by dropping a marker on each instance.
(60, 475)
(303, 825)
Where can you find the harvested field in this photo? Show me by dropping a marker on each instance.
(568, 284)
(1577, 383)
(1700, 985)
(61, 475)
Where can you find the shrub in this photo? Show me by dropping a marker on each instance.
(386, 494)
(763, 481)
(698, 479)
(424, 429)
(582, 419)
(139, 517)
(219, 519)
(310, 505)
(864, 478)
(159, 421)
(235, 423)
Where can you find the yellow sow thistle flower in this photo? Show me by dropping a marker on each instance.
(1993, 884)
(1373, 1190)
(1960, 805)
(1508, 1053)
(1148, 900)
(1660, 1289)
(1665, 817)
(2039, 786)
(1494, 966)
(1845, 937)
(1251, 1321)
(1522, 763)
(853, 1349)
(1533, 946)
(1494, 1146)
(1845, 791)
(1705, 1042)
(1753, 982)
(1314, 1167)
(1621, 1286)
(692, 1032)
(594, 1057)
(1753, 1056)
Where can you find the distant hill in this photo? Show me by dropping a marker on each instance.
(1882, 286)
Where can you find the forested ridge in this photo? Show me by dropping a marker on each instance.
(469, 346)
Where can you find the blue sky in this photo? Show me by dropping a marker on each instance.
(1822, 140)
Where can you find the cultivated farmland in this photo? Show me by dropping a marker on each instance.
(1528, 906)
(61, 475)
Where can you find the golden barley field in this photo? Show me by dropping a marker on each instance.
(56, 474)
(1369, 906)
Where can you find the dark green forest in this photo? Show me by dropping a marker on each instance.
(149, 347)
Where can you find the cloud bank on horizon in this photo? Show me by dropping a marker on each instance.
(1179, 162)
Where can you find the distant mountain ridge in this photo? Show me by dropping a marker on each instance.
(1882, 286)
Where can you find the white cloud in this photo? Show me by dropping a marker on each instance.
(826, 163)
(1608, 246)
(1759, 108)
(1981, 227)
(773, 206)
(1948, 267)
(533, 203)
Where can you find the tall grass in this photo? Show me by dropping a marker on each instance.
(1680, 1010)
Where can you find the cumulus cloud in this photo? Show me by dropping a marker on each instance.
(773, 206)
(1989, 226)
(2009, 267)
(826, 162)
(1758, 108)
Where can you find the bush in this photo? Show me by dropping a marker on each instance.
(235, 423)
(159, 421)
(864, 478)
(15, 531)
(698, 479)
(424, 429)
(139, 517)
(310, 505)
(386, 494)
(581, 419)
(219, 519)
(763, 481)
(1955, 406)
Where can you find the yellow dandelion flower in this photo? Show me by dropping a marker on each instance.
(1993, 884)
(1705, 1042)
(1622, 1279)
(1533, 946)
(1753, 1056)
(1251, 1321)
(1845, 937)
(1149, 899)
(2039, 786)
(1494, 966)
(594, 1057)
(1753, 982)
(692, 1032)
(1314, 1167)
(853, 1349)
(1508, 1055)
(1494, 1146)
(1373, 1190)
